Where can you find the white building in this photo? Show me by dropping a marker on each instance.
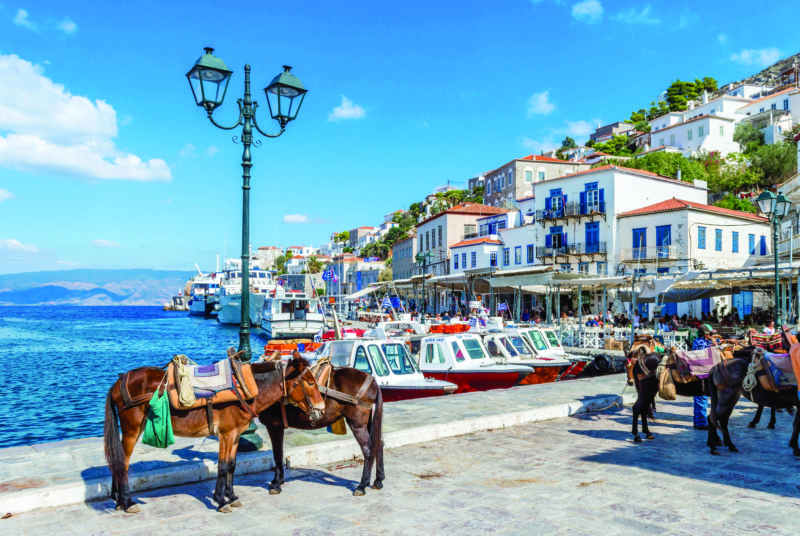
(704, 133)
(773, 114)
(267, 255)
(304, 251)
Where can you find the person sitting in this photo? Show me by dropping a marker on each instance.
(769, 329)
(526, 316)
(592, 323)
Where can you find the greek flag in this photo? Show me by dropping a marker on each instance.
(318, 336)
(386, 302)
(502, 307)
(326, 274)
(334, 277)
(483, 322)
(473, 322)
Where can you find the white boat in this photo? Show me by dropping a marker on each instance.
(290, 314)
(230, 294)
(204, 286)
(546, 343)
(396, 372)
(511, 348)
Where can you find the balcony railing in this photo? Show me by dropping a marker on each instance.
(581, 248)
(789, 244)
(572, 209)
(649, 254)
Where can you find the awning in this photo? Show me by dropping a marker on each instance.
(521, 277)
(363, 292)
(588, 281)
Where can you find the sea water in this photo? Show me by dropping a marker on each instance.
(57, 363)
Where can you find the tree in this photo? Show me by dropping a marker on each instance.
(707, 84)
(343, 237)
(395, 235)
(568, 143)
(748, 137)
(778, 162)
(415, 209)
(314, 266)
(385, 275)
(347, 250)
(667, 164)
(788, 135)
(730, 174)
(679, 94)
(732, 202)
(616, 146)
(280, 263)
(476, 196)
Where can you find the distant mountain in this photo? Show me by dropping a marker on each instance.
(92, 287)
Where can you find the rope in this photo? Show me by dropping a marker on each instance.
(749, 382)
(185, 391)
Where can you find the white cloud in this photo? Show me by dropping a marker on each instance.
(103, 243)
(67, 26)
(538, 103)
(21, 19)
(347, 110)
(589, 11)
(631, 16)
(722, 38)
(211, 151)
(578, 130)
(761, 57)
(5, 194)
(187, 149)
(9, 244)
(296, 218)
(688, 18)
(52, 131)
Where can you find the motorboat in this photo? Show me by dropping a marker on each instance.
(390, 363)
(511, 348)
(204, 286)
(290, 314)
(463, 359)
(230, 294)
(547, 344)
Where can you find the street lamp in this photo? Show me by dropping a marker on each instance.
(209, 78)
(422, 258)
(775, 208)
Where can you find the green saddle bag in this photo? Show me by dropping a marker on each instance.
(158, 428)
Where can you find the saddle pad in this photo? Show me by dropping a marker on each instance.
(771, 343)
(780, 366)
(208, 379)
(217, 397)
(697, 362)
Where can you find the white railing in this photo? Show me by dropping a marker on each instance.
(786, 244)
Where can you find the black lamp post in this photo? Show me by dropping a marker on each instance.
(209, 78)
(422, 258)
(775, 208)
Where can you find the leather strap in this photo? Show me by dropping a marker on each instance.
(128, 401)
(242, 401)
(210, 416)
(283, 414)
(361, 392)
(344, 397)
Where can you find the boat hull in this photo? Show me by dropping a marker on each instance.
(291, 329)
(231, 309)
(542, 373)
(197, 306)
(395, 393)
(479, 380)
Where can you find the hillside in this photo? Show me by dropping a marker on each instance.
(771, 76)
(92, 287)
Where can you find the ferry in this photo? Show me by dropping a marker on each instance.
(290, 314)
(204, 288)
(230, 295)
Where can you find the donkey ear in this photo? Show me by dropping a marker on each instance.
(276, 355)
(297, 360)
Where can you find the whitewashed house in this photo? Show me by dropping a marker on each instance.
(773, 114)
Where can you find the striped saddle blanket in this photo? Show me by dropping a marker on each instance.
(207, 380)
(697, 362)
(770, 343)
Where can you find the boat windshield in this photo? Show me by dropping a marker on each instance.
(398, 359)
(340, 353)
(508, 346)
(537, 339)
(474, 348)
(552, 338)
(377, 360)
(519, 344)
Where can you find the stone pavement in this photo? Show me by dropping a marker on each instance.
(69, 472)
(570, 476)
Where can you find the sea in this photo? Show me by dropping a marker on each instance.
(57, 363)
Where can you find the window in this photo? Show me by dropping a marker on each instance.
(464, 260)
(518, 255)
(751, 244)
(542, 176)
(592, 237)
(721, 130)
(718, 240)
(473, 260)
(433, 354)
(488, 187)
(502, 181)
(661, 141)
(528, 175)
(700, 131)
(457, 352)
(735, 242)
(672, 139)
(786, 104)
(474, 348)
(639, 243)
(602, 268)
(566, 267)
(440, 236)
(663, 241)
(701, 238)
(774, 105)
(377, 361)
(470, 230)
(493, 258)
(761, 109)
(530, 253)
(455, 261)
(501, 225)
(361, 361)
(555, 200)
(398, 359)
(689, 135)
(763, 245)
(583, 268)
(427, 240)
(506, 256)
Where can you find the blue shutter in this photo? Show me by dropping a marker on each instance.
(563, 201)
(583, 202)
(548, 241)
(602, 200)
(547, 203)
(564, 240)
(763, 245)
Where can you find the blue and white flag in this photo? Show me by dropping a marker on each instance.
(396, 303)
(326, 274)
(473, 322)
(318, 336)
(386, 302)
(483, 322)
(502, 307)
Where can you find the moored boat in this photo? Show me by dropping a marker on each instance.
(230, 293)
(511, 348)
(204, 287)
(290, 315)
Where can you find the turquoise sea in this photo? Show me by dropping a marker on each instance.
(57, 363)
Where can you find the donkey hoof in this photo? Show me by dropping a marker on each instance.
(770, 427)
(638, 439)
(377, 485)
(133, 509)
(225, 509)
(650, 437)
(237, 503)
(274, 491)
(751, 425)
(714, 452)
(732, 448)
(358, 492)
(796, 452)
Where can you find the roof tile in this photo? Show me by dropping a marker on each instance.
(679, 204)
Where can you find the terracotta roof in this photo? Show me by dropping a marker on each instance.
(609, 167)
(769, 97)
(526, 198)
(298, 257)
(539, 158)
(473, 241)
(468, 208)
(673, 204)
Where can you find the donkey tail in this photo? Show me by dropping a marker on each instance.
(112, 443)
(376, 428)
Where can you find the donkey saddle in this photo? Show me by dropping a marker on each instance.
(194, 386)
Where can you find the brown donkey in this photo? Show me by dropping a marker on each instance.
(275, 380)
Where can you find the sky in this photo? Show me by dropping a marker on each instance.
(107, 162)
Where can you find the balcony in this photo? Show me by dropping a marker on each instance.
(572, 209)
(581, 250)
(648, 254)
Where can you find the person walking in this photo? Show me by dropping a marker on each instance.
(704, 339)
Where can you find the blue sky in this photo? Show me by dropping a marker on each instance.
(106, 162)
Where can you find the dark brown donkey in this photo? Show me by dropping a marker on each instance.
(351, 394)
(275, 381)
